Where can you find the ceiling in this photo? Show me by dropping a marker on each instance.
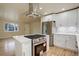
(57, 7)
(46, 8)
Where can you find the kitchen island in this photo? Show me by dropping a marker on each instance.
(31, 45)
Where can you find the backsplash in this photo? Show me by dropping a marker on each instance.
(62, 29)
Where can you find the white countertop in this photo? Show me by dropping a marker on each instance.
(21, 39)
(68, 33)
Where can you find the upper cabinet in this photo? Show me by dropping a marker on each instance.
(72, 18)
(68, 18)
(61, 19)
(78, 18)
(78, 21)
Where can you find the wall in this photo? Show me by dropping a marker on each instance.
(11, 16)
(27, 28)
(36, 26)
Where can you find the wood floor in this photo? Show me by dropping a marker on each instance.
(55, 51)
(7, 48)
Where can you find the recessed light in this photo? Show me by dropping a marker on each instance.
(63, 9)
(40, 8)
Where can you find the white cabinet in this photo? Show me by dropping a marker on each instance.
(59, 40)
(68, 18)
(78, 43)
(61, 19)
(71, 18)
(65, 41)
(71, 42)
(78, 21)
(23, 46)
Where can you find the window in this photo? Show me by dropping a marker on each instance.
(11, 27)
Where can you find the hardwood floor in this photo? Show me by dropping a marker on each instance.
(55, 51)
(7, 48)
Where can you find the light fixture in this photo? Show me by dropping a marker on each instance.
(63, 9)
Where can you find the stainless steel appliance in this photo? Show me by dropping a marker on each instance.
(39, 44)
(48, 28)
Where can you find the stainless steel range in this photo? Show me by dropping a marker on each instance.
(39, 44)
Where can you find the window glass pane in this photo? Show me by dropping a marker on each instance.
(11, 27)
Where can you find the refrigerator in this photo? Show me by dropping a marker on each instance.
(48, 28)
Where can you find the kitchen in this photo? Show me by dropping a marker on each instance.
(41, 29)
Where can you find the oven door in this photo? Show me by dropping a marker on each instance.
(40, 49)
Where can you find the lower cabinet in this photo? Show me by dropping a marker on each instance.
(71, 42)
(65, 41)
(59, 41)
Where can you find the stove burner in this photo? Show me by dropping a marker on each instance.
(34, 36)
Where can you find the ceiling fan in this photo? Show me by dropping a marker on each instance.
(33, 10)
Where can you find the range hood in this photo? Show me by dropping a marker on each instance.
(33, 10)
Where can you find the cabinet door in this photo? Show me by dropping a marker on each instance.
(78, 21)
(71, 43)
(71, 18)
(61, 19)
(67, 18)
(59, 40)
